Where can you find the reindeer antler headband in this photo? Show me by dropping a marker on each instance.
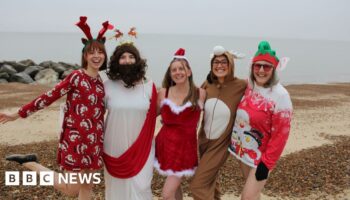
(119, 36)
(86, 29)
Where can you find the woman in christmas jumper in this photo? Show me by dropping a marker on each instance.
(81, 140)
(224, 91)
(262, 122)
(131, 102)
(180, 103)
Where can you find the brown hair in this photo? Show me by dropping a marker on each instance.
(114, 71)
(231, 66)
(270, 83)
(193, 93)
(91, 45)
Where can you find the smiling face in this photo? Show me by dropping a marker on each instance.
(127, 59)
(179, 72)
(262, 72)
(220, 67)
(94, 58)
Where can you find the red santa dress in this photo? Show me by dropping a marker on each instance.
(176, 142)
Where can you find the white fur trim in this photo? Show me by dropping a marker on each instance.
(169, 172)
(182, 57)
(175, 108)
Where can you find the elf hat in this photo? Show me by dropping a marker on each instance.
(265, 53)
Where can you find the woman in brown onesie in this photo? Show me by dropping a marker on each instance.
(224, 92)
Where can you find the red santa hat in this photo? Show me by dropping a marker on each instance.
(180, 53)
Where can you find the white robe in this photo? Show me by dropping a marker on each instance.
(127, 109)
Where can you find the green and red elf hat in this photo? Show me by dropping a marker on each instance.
(265, 53)
(86, 29)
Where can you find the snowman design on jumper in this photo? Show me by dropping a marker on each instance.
(251, 142)
(245, 141)
(241, 125)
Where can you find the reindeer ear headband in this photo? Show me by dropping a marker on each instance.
(86, 29)
(120, 36)
(220, 50)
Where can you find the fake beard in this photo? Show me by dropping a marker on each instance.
(130, 74)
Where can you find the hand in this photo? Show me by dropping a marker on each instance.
(261, 172)
(4, 118)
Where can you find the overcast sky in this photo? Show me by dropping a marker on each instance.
(305, 19)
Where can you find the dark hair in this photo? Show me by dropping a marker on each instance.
(211, 76)
(137, 71)
(90, 46)
(193, 93)
(271, 82)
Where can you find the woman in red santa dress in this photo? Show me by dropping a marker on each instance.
(81, 139)
(180, 103)
(262, 122)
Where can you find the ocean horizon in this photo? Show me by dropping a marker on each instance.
(312, 61)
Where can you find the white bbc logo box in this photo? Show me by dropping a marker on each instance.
(28, 178)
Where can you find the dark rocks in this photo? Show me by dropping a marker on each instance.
(21, 78)
(26, 71)
(8, 69)
(69, 66)
(17, 66)
(33, 70)
(4, 75)
(27, 62)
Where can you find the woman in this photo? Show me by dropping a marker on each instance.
(224, 91)
(180, 103)
(81, 140)
(131, 102)
(262, 122)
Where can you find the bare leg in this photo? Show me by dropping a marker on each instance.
(252, 187)
(171, 185)
(68, 189)
(85, 191)
(245, 169)
(178, 194)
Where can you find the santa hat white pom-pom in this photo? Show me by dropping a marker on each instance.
(218, 50)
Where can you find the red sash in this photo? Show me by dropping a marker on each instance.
(132, 160)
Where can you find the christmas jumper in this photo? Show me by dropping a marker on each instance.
(262, 125)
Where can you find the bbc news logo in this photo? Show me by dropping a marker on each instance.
(47, 178)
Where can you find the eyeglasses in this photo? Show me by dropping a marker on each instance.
(223, 62)
(266, 67)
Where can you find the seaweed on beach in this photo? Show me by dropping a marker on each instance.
(300, 174)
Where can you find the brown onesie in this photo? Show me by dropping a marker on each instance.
(215, 132)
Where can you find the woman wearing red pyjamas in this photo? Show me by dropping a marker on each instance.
(81, 141)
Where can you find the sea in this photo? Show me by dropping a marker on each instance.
(311, 61)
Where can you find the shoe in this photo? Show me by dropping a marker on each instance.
(22, 158)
